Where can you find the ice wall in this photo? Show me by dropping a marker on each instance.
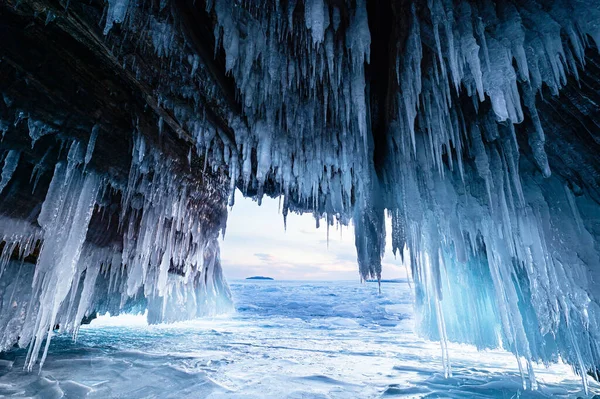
(168, 261)
(496, 239)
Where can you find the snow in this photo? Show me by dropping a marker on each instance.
(287, 339)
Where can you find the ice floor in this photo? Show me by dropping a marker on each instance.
(287, 340)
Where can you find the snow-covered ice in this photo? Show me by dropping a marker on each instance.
(286, 340)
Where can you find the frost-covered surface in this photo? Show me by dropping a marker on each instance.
(287, 340)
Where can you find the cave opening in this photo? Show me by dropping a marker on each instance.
(296, 320)
(460, 136)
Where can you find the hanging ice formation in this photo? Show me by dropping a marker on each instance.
(167, 261)
(494, 235)
(473, 124)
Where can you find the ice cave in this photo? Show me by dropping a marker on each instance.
(469, 128)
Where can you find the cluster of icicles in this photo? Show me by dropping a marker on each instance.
(162, 229)
(501, 249)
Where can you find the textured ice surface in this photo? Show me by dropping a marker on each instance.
(287, 340)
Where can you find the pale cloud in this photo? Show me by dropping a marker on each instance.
(256, 243)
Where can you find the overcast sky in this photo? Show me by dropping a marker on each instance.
(257, 244)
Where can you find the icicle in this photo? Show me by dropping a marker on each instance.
(117, 9)
(315, 19)
(65, 217)
(37, 129)
(10, 165)
(91, 144)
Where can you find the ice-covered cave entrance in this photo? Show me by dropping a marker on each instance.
(475, 122)
(306, 338)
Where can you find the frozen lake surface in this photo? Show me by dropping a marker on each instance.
(286, 340)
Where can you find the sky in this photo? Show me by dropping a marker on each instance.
(256, 243)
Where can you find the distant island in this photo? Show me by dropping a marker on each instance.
(259, 278)
(394, 280)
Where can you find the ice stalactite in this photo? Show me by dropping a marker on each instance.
(160, 236)
(10, 164)
(117, 11)
(168, 261)
(91, 144)
(208, 295)
(494, 218)
(64, 219)
(101, 210)
(299, 100)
